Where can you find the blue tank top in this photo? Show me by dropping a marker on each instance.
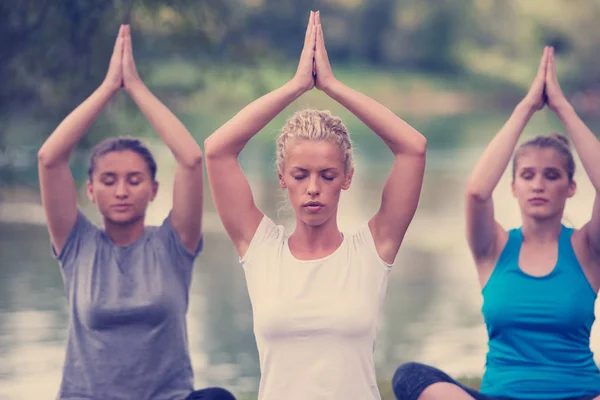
(539, 327)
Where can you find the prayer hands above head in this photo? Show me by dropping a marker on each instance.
(114, 75)
(536, 97)
(323, 73)
(304, 77)
(122, 71)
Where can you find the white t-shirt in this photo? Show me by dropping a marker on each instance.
(315, 321)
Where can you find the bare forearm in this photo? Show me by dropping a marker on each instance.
(233, 135)
(497, 155)
(168, 127)
(586, 144)
(398, 135)
(65, 137)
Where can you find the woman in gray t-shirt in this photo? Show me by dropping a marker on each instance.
(127, 284)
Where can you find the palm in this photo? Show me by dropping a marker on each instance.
(304, 74)
(114, 75)
(324, 74)
(555, 94)
(536, 97)
(130, 74)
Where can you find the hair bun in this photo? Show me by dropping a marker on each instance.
(561, 139)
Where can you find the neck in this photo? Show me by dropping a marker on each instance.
(313, 238)
(542, 231)
(124, 234)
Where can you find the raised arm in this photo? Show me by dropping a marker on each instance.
(186, 214)
(403, 186)
(586, 145)
(484, 234)
(230, 189)
(56, 182)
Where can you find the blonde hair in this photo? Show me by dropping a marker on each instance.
(315, 125)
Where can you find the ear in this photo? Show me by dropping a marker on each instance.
(348, 179)
(90, 191)
(281, 180)
(572, 189)
(154, 190)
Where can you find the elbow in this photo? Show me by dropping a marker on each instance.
(475, 192)
(212, 150)
(421, 146)
(193, 160)
(209, 148)
(46, 160)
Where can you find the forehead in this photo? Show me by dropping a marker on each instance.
(540, 158)
(313, 154)
(120, 162)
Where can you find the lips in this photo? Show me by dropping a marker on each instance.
(313, 206)
(120, 207)
(538, 200)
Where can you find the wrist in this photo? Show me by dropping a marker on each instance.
(563, 107)
(108, 89)
(295, 88)
(135, 87)
(330, 86)
(525, 108)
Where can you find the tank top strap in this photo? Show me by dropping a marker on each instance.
(567, 258)
(509, 258)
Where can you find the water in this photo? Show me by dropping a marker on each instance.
(432, 308)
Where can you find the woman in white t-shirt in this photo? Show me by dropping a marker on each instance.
(315, 294)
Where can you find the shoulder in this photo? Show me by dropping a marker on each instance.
(362, 243)
(268, 236)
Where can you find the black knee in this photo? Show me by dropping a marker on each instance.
(412, 378)
(213, 393)
(409, 370)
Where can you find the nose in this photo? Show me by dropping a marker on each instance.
(122, 189)
(538, 184)
(313, 186)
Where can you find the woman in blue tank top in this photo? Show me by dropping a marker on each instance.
(126, 284)
(539, 281)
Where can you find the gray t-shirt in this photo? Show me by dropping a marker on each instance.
(127, 335)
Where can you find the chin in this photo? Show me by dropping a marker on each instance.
(122, 218)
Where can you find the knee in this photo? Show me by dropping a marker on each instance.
(220, 394)
(407, 371)
(213, 393)
(411, 379)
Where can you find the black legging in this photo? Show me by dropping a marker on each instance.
(411, 379)
(210, 394)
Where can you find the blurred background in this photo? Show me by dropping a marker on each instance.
(453, 69)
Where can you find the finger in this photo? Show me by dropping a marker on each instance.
(552, 64)
(321, 50)
(118, 41)
(543, 62)
(309, 45)
(318, 18)
(309, 27)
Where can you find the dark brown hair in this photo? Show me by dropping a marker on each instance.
(121, 144)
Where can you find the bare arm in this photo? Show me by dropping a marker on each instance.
(56, 182)
(230, 189)
(403, 186)
(586, 144)
(186, 214)
(483, 232)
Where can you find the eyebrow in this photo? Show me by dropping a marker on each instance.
(323, 170)
(545, 169)
(114, 174)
